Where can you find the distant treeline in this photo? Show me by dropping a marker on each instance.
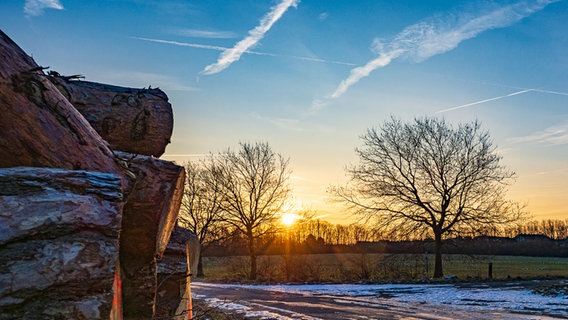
(521, 245)
(535, 238)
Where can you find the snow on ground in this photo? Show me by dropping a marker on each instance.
(480, 297)
(249, 312)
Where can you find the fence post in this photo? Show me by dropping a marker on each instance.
(490, 271)
(427, 265)
(188, 284)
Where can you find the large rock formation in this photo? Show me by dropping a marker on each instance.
(66, 241)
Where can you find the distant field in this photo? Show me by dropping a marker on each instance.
(380, 267)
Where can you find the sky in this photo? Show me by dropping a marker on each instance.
(309, 77)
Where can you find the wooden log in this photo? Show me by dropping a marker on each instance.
(131, 120)
(39, 127)
(149, 217)
(58, 243)
(173, 272)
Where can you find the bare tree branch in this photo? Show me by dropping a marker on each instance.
(430, 178)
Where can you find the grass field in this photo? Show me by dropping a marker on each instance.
(380, 267)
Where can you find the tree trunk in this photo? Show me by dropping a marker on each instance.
(131, 120)
(438, 271)
(200, 273)
(39, 127)
(172, 272)
(149, 217)
(252, 255)
(58, 242)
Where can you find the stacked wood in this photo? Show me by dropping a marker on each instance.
(39, 127)
(173, 270)
(149, 217)
(58, 243)
(131, 120)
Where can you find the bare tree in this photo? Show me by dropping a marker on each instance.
(428, 178)
(255, 187)
(201, 205)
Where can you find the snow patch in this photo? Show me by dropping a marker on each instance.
(480, 298)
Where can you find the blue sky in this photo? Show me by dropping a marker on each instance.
(310, 76)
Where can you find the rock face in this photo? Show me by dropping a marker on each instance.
(81, 226)
(58, 243)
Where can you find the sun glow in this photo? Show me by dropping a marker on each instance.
(289, 219)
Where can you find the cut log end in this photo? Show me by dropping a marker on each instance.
(131, 120)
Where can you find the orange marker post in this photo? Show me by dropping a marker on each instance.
(188, 284)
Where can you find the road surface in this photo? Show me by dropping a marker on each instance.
(279, 304)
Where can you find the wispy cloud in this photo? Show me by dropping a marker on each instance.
(218, 48)
(37, 7)
(255, 35)
(485, 100)
(283, 123)
(423, 40)
(323, 16)
(554, 135)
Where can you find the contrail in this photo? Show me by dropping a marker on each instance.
(218, 48)
(360, 72)
(485, 100)
(426, 39)
(183, 44)
(551, 92)
(255, 35)
(524, 90)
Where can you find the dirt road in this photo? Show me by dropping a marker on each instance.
(276, 303)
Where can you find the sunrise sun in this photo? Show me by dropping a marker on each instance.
(289, 219)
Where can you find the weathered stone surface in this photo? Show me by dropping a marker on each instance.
(172, 273)
(131, 120)
(58, 243)
(149, 217)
